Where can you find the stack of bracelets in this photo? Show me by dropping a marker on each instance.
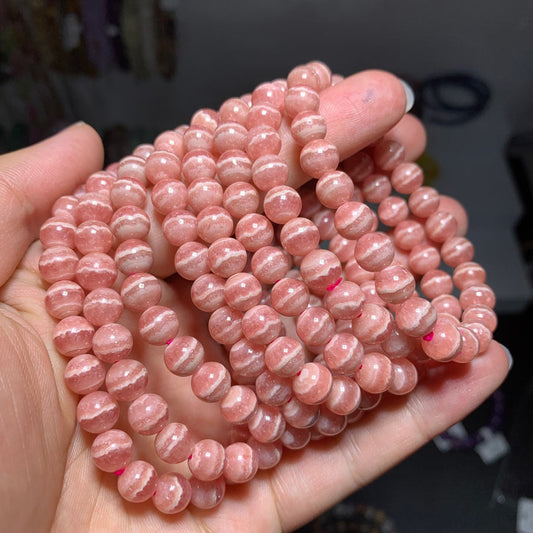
(318, 311)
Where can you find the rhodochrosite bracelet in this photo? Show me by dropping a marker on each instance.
(323, 298)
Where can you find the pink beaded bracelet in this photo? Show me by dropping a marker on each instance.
(324, 299)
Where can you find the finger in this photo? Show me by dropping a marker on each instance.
(410, 133)
(358, 111)
(31, 180)
(323, 476)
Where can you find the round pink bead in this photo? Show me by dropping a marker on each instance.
(101, 181)
(394, 284)
(207, 292)
(239, 404)
(93, 236)
(269, 93)
(295, 438)
(225, 325)
(184, 355)
(64, 298)
(148, 414)
(371, 295)
(58, 263)
(369, 401)
(408, 234)
(320, 269)
(334, 188)
(261, 324)
(323, 72)
(84, 373)
(424, 201)
(102, 306)
(233, 110)
(440, 226)
(344, 300)
(190, 260)
(482, 332)
(126, 380)
(97, 412)
(96, 270)
(65, 205)
(270, 264)
(254, 231)
(140, 291)
(282, 204)
(133, 255)
(158, 325)
(388, 154)
(73, 336)
(112, 342)
(477, 294)
(393, 210)
(308, 126)
(94, 206)
(206, 461)
(299, 99)
(263, 115)
(325, 222)
(373, 325)
(375, 374)
(446, 303)
(404, 377)
(343, 353)
(436, 282)
(58, 231)
(263, 140)
(304, 75)
(272, 389)
(214, 223)
(329, 424)
(173, 444)
(230, 136)
(289, 297)
(299, 236)
(247, 358)
(358, 166)
(240, 198)
(457, 250)
(443, 342)
(112, 450)
(398, 344)
(242, 291)
(406, 178)
(179, 227)
(299, 414)
(198, 138)
(312, 384)
(344, 397)
(170, 141)
(467, 274)
(469, 346)
(269, 171)
(226, 256)
(205, 118)
(169, 195)
(423, 258)
(376, 188)
(374, 251)
(198, 164)
(284, 356)
(132, 167)
(129, 222)
(315, 326)
(318, 157)
(354, 219)
(416, 317)
(138, 481)
(127, 192)
(207, 494)
(204, 193)
(480, 313)
(267, 424)
(172, 493)
(211, 381)
(234, 166)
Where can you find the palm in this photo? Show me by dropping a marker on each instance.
(48, 480)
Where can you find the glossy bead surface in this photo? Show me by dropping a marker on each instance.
(312, 384)
(138, 481)
(373, 324)
(158, 324)
(315, 326)
(84, 373)
(375, 374)
(97, 412)
(211, 381)
(416, 317)
(126, 380)
(174, 442)
(172, 493)
(343, 354)
(112, 450)
(148, 414)
(64, 298)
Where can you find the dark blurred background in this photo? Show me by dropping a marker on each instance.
(132, 68)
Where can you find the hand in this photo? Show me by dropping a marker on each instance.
(48, 481)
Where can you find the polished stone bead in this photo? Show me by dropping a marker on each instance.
(112, 450)
(404, 377)
(172, 493)
(126, 380)
(315, 326)
(97, 412)
(416, 317)
(373, 325)
(207, 292)
(168, 195)
(138, 481)
(134, 255)
(343, 353)
(84, 373)
(344, 397)
(226, 256)
(207, 494)
(270, 264)
(225, 325)
(173, 444)
(247, 359)
(211, 381)
(158, 324)
(312, 384)
(64, 298)
(354, 219)
(140, 291)
(206, 461)
(240, 198)
(73, 336)
(267, 424)
(375, 373)
(148, 414)
(58, 263)
(112, 342)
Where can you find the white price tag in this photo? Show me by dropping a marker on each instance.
(493, 447)
(524, 516)
(457, 431)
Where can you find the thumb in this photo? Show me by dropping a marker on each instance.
(32, 179)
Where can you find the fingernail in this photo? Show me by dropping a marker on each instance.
(509, 356)
(409, 96)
